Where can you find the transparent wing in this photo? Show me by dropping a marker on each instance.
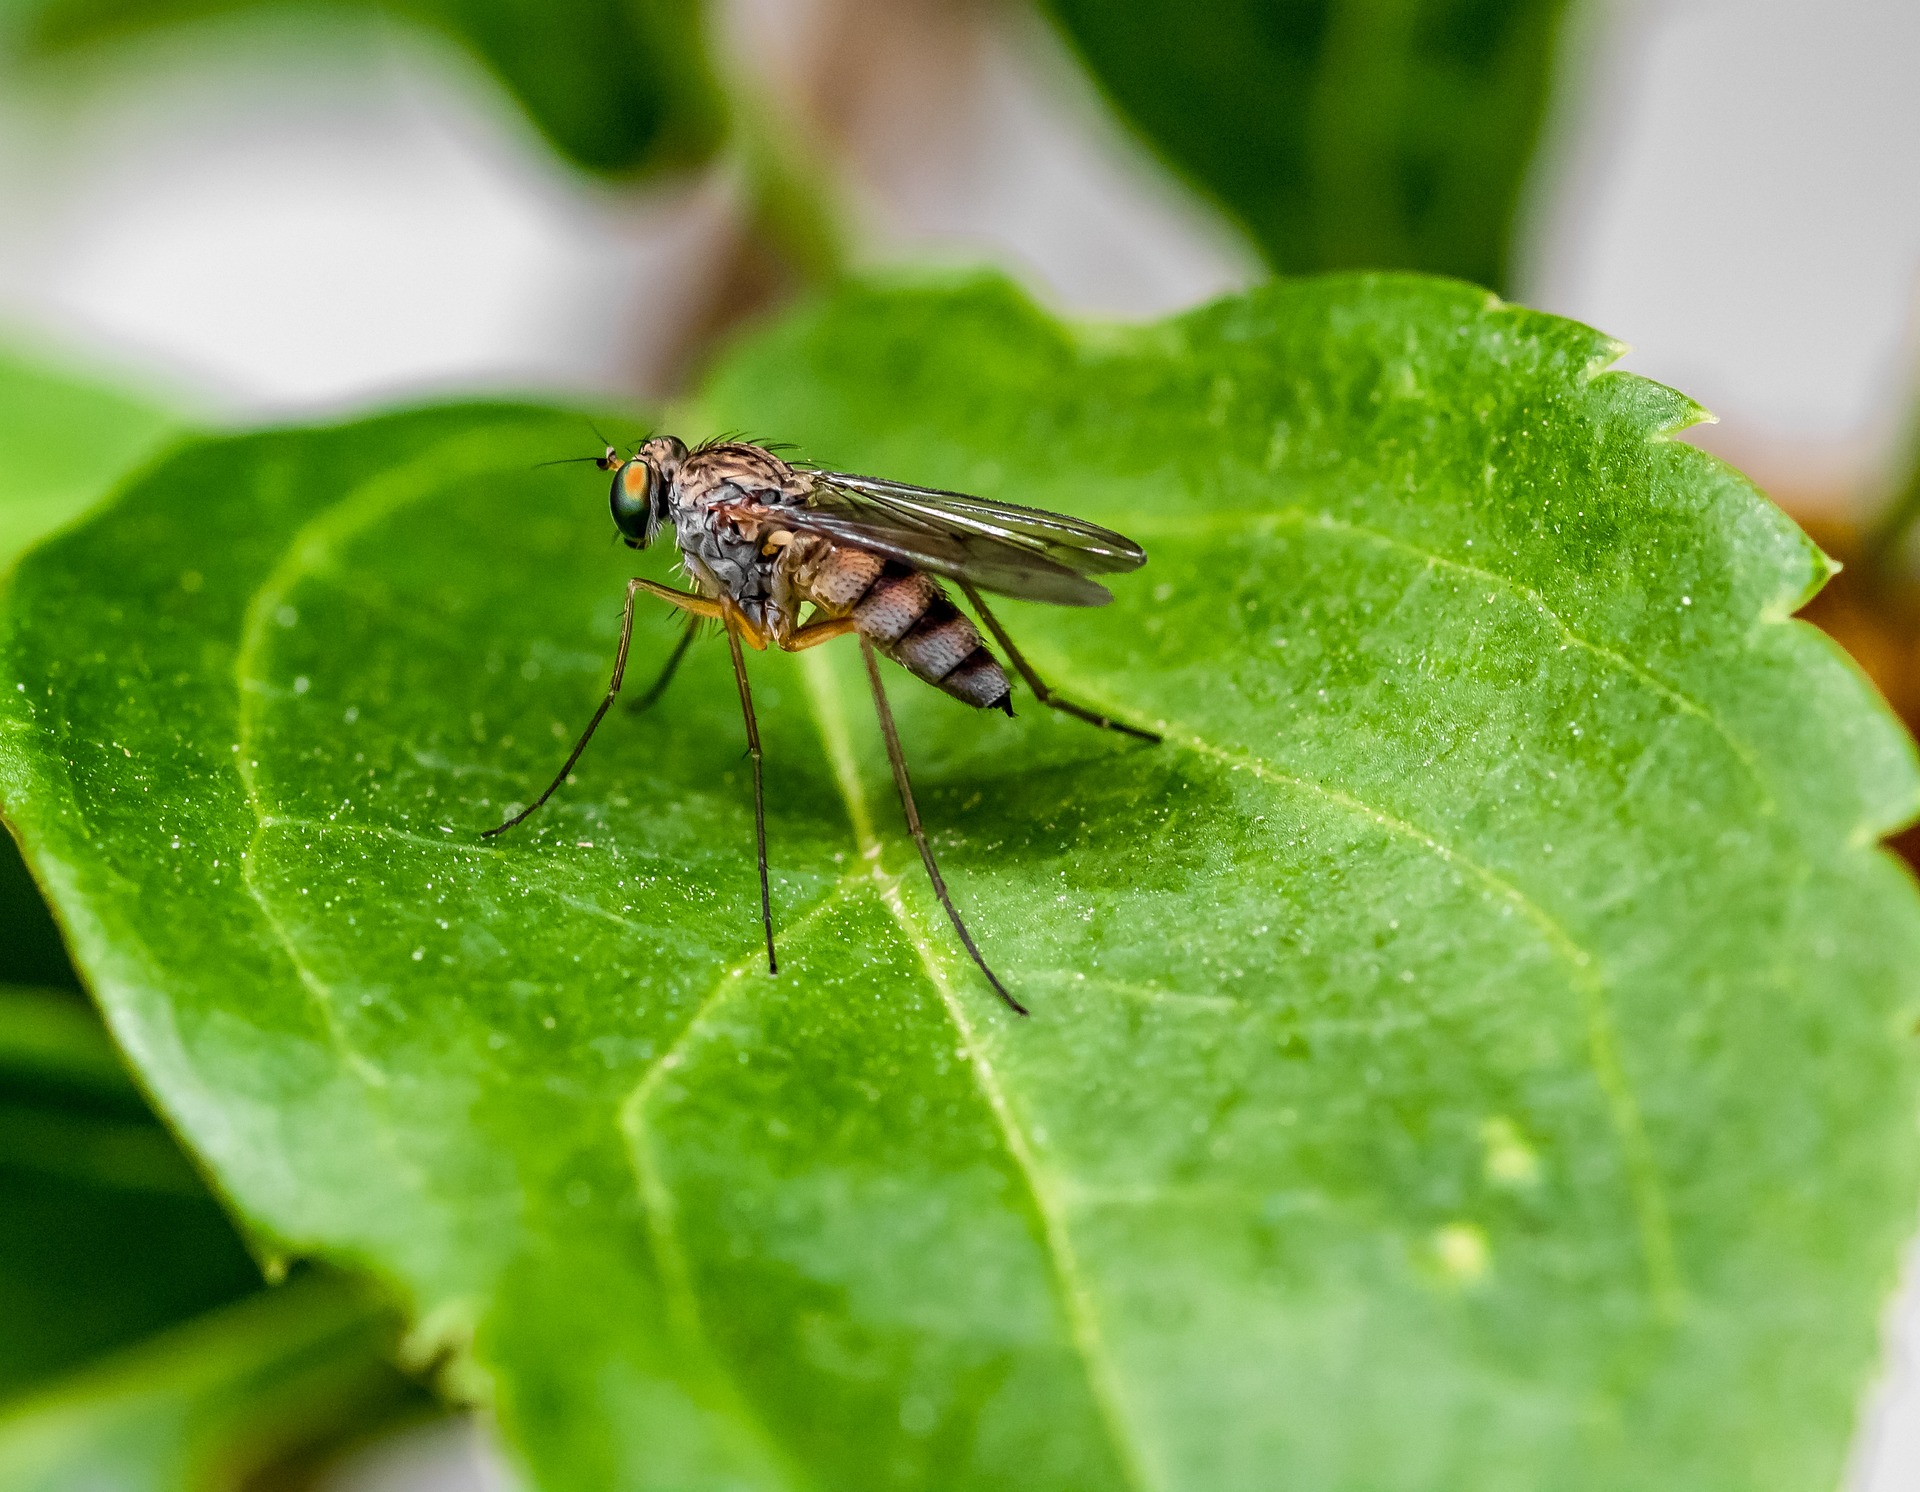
(1016, 551)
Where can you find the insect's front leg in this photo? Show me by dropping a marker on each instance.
(696, 605)
(613, 689)
(738, 622)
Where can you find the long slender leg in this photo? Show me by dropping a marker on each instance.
(899, 764)
(1040, 691)
(652, 697)
(759, 791)
(613, 688)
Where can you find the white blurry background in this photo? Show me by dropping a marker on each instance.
(265, 222)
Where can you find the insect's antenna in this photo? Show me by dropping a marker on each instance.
(564, 461)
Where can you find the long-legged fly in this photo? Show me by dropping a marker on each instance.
(762, 538)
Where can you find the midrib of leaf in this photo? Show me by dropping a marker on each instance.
(1305, 521)
(1083, 1321)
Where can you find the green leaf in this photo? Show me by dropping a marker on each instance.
(615, 86)
(1474, 1051)
(213, 1403)
(106, 1233)
(66, 436)
(1345, 134)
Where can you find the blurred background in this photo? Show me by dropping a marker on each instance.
(235, 211)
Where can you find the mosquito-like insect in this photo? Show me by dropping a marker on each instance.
(761, 538)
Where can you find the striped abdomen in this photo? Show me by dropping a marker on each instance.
(910, 619)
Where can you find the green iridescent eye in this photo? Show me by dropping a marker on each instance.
(634, 513)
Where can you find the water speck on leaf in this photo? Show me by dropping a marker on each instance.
(302, 684)
(287, 616)
(418, 954)
(1462, 1252)
(1510, 1160)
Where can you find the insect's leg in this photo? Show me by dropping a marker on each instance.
(1034, 682)
(899, 764)
(759, 791)
(815, 633)
(687, 602)
(754, 635)
(652, 697)
(613, 688)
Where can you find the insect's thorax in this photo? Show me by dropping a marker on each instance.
(724, 510)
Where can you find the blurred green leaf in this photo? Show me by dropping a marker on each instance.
(614, 85)
(106, 1234)
(53, 1038)
(210, 1406)
(1345, 134)
(66, 437)
(1473, 1052)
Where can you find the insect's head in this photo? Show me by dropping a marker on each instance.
(641, 483)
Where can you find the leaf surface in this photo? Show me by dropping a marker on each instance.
(1345, 134)
(1474, 1051)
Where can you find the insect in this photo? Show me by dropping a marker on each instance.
(762, 538)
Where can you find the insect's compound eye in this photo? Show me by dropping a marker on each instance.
(634, 513)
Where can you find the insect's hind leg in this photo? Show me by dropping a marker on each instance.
(613, 689)
(1040, 691)
(899, 764)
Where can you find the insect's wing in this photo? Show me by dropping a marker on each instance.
(1085, 548)
(989, 566)
(1016, 551)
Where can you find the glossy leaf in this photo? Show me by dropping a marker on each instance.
(1475, 1050)
(1373, 134)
